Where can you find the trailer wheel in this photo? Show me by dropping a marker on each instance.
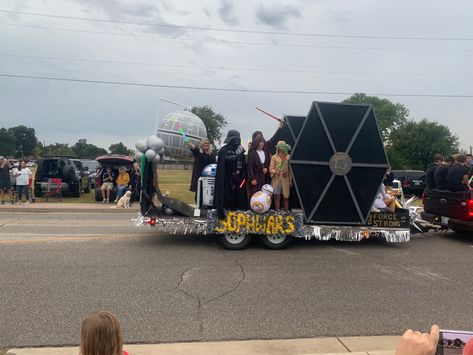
(276, 242)
(234, 241)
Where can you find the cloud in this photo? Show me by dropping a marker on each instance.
(227, 12)
(138, 10)
(119, 9)
(277, 15)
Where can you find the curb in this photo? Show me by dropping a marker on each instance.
(67, 208)
(373, 345)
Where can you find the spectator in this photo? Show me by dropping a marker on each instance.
(123, 179)
(429, 173)
(203, 156)
(22, 174)
(101, 333)
(281, 177)
(106, 181)
(258, 165)
(457, 177)
(468, 349)
(5, 183)
(135, 184)
(417, 343)
(469, 165)
(441, 172)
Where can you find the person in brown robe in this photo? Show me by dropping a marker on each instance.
(258, 165)
(203, 156)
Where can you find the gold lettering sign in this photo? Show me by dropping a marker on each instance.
(388, 220)
(273, 223)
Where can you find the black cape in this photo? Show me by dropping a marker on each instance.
(230, 189)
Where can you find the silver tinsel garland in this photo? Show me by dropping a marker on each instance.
(196, 226)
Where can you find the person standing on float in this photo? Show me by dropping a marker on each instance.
(258, 166)
(230, 189)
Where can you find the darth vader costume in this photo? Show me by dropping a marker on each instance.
(230, 182)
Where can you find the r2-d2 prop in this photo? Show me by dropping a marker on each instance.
(206, 186)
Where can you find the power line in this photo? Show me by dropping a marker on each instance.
(225, 89)
(217, 29)
(280, 70)
(230, 42)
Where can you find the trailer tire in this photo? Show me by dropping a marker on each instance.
(234, 241)
(276, 242)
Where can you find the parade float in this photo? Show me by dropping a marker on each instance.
(338, 163)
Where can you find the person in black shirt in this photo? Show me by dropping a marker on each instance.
(457, 178)
(441, 172)
(469, 165)
(429, 173)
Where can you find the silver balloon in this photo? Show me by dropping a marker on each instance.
(168, 211)
(138, 156)
(150, 154)
(157, 158)
(141, 145)
(161, 152)
(155, 143)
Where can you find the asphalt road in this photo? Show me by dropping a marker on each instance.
(56, 268)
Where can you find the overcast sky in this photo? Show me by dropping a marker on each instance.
(438, 61)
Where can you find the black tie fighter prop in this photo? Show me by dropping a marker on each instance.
(338, 162)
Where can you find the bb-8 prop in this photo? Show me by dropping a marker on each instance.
(260, 202)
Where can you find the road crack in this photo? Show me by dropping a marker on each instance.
(427, 274)
(226, 293)
(183, 276)
(200, 303)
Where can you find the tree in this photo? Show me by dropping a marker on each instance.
(84, 150)
(214, 122)
(414, 144)
(388, 114)
(25, 140)
(7, 143)
(120, 148)
(58, 149)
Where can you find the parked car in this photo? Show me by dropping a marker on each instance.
(71, 171)
(115, 161)
(413, 181)
(91, 168)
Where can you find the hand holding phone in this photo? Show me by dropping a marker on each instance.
(417, 343)
(455, 342)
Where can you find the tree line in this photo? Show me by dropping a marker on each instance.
(409, 144)
(21, 142)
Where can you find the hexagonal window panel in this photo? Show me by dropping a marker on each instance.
(338, 163)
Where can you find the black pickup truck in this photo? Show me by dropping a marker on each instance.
(457, 207)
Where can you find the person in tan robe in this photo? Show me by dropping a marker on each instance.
(281, 176)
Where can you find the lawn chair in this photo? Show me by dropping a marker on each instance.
(54, 189)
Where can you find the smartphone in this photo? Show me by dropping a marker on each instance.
(452, 342)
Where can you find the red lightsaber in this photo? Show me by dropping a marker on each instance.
(242, 183)
(270, 115)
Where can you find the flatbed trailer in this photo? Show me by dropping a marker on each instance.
(338, 163)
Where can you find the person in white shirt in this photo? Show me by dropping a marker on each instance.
(384, 201)
(22, 175)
